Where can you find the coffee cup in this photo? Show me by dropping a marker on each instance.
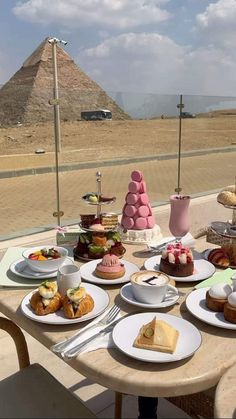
(68, 276)
(151, 287)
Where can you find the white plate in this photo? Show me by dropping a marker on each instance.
(101, 301)
(127, 295)
(202, 269)
(125, 332)
(20, 268)
(196, 305)
(87, 273)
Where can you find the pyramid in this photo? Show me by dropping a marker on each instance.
(25, 97)
(137, 221)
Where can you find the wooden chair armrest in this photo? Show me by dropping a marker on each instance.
(19, 339)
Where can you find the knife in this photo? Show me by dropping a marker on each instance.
(71, 353)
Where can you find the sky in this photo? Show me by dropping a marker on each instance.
(135, 46)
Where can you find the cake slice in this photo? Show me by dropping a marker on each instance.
(157, 335)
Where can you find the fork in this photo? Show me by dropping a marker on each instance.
(108, 318)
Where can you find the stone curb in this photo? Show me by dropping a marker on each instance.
(104, 163)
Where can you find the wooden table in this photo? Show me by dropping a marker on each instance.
(115, 370)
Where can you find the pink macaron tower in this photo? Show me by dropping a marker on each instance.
(137, 212)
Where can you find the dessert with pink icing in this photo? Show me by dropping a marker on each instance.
(138, 224)
(110, 267)
(177, 260)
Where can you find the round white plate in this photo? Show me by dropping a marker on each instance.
(196, 305)
(20, 268)
(127, 295)
(125, 332)
(202, 269)
(101, 301)
(87, 273)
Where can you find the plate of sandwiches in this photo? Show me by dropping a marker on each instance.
(47, 305)
(156, 337)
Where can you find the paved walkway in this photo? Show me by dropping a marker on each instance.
(28, 202)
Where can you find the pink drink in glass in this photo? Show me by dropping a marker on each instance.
(179, 219)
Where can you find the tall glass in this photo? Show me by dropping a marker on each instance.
(179, 217)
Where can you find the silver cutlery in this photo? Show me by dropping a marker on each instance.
(106, 320)
(71, 353)
(160, 246)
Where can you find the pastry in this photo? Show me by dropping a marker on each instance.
(138, 224)
(46, 299)
(77, 303)
(230, 308)
(177, 260)
(110, 267)
(227, 196)
(219, 257)
(157, 335)
(217, 296)
(109, 221)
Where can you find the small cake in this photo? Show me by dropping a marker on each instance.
(217, 296)
(46, 299)
(230, 308)
(110, 267)
(177, 260)
(138, 223)
(77, 302)
(157, 335)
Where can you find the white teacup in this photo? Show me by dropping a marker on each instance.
(68, 276)
(151, 287)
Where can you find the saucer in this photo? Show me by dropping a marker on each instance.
(21, 268)
(127, 295)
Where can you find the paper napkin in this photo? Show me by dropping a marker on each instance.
(224, 276)
(105, 341)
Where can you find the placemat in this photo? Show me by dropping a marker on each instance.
(8, 278)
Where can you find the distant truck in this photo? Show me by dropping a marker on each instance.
(99, 115)
(187, 115)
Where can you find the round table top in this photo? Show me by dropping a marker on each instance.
(119, 372)
(225, 403)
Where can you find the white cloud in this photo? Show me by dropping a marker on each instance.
(217, 23)
(153, 63)
(107, 13)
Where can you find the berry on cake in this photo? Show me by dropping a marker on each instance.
(177, 260)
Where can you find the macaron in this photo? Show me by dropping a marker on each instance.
(131, 198)
(143, 199)
(143, 211)
(142, 187)
(134, 186)
(127, 223)
(130, 210)
(140, 223)
(151, 221)
(137, 176)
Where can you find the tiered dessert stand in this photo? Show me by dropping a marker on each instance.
(223, 228)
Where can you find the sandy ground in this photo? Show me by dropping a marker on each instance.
(98, 140)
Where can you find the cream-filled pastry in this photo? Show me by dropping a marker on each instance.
(46, 299)
(77, 302)
(217, 296)
(230, 308)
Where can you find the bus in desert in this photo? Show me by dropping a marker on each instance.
(97, 115)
